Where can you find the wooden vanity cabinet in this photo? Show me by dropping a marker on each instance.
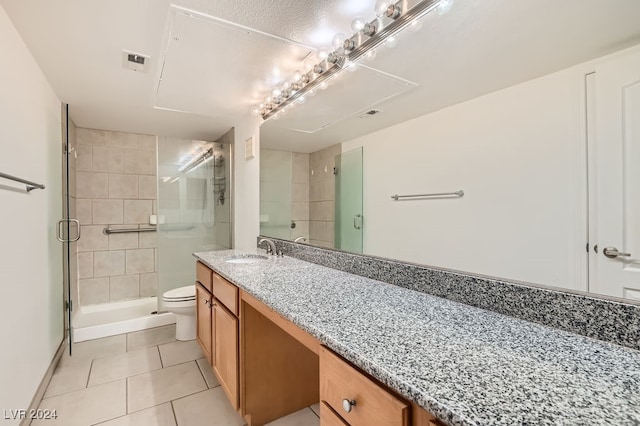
(225, 330)
(204, 300)
(284, 368)
(218, 328)
(203, 319)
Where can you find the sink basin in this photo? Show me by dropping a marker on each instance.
(248, 258)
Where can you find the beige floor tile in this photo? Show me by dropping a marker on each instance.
(178, 352)
(304, 417)
(208, 408)
(151, 337)
(207, 372)
(156, 387)
(69, 378)
(87, 406)
(316, 409)
(120, 366)
(161, 415)
(95, 349)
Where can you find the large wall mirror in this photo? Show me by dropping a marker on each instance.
(510, 132)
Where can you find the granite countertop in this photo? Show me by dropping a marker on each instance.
(465, 365)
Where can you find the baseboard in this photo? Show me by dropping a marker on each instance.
(37, 398)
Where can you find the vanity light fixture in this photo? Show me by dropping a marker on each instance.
(392, 18)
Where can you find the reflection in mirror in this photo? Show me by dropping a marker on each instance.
(315, 198)
(540, 129)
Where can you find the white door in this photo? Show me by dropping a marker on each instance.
(615, 182)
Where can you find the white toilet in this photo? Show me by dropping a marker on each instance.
(182, 302)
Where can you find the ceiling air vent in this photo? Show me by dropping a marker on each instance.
(134, 61)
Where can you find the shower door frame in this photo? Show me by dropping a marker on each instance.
(64, 228)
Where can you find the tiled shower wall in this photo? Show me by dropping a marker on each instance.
(322, 196)
(116, 186)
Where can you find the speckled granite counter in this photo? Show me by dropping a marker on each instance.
(466, 365)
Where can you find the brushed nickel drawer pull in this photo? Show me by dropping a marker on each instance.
(348, 404)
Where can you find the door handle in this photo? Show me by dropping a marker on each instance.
(61, 232)
(355, 221)
(612, 253)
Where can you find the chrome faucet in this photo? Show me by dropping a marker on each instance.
(271, 246)
(300, 240)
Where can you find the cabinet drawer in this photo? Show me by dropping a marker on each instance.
(203, 275)
(374, 405)
(328, 417)
(226, 293)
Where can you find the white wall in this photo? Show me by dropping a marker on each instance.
(31, 318)
(246, 185)
(518, 155)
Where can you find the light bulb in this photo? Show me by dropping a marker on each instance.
(301, 100)
(286, 86)
(268, 100)
(338, 40)
(307, 65)
(381, 7)
(371, 54)
(255, 110)
(276, 92)
(323, 53)
(357, 24)
(415, 25)
(391, 42)
(297, 76)
(444, 6)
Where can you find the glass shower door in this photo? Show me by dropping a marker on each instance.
(68, 230)
(348, 209)
(194, 207)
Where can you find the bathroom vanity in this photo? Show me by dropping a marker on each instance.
(282, 334)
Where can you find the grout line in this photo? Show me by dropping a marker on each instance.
(89, 375)
(173, 410)
(313, 411)
(160, 355)
(202, 374)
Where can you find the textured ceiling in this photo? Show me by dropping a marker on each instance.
(478, 47)
(78, 45)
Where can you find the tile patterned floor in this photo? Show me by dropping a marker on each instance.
(144, 378)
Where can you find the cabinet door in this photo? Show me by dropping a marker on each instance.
(203, 318)
(225, 351)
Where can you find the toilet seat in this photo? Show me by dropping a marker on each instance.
(181, 294)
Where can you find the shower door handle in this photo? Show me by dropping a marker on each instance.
(357, 221)
(60, 232)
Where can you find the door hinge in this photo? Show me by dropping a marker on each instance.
(587, 247)
(69, 305)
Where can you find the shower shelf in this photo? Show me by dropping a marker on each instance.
(108, 230)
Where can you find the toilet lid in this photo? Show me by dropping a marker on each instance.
(182, 293)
